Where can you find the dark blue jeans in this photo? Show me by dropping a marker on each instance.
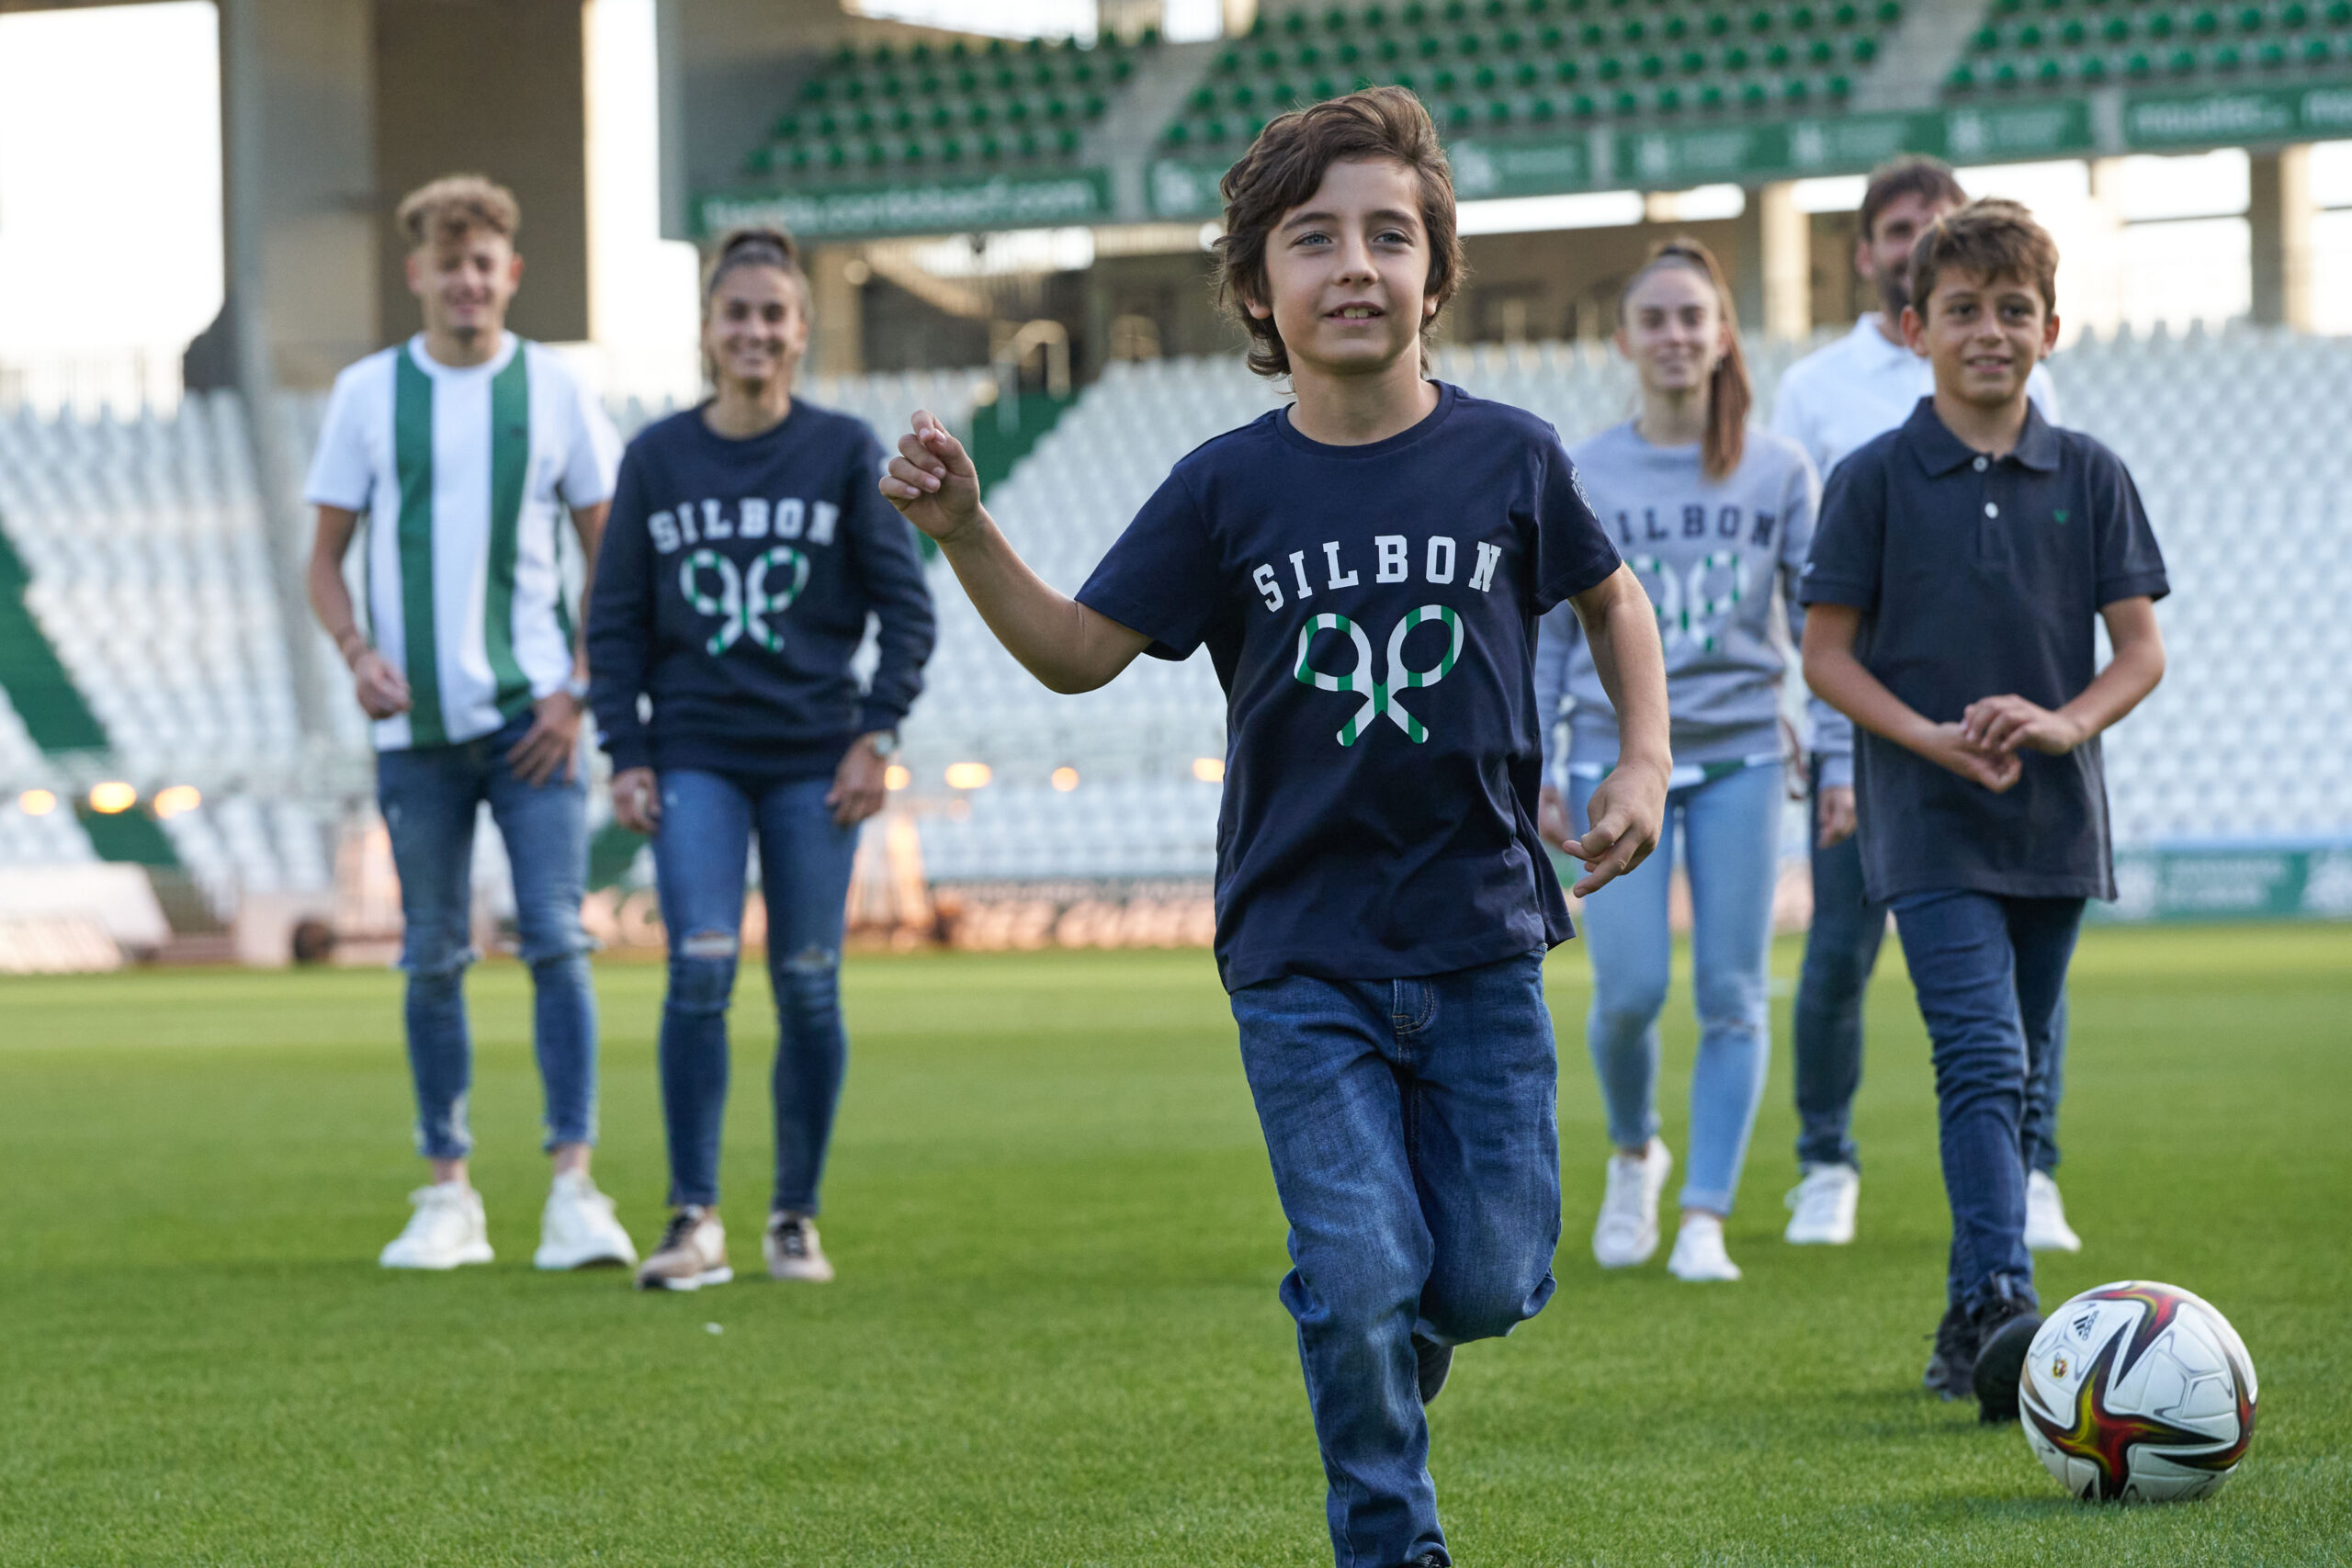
(1991, 975)
(1840, 951)
(708, 821)
(1413, 1129)
(430, 797)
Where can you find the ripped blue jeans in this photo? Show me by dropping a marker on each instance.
(708, 825)
(431, 798)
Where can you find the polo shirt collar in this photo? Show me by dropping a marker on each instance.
(1941, 452)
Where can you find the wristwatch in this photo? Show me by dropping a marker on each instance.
(576, 689)
(885, 743)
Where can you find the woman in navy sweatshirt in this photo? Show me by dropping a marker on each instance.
(746, 549)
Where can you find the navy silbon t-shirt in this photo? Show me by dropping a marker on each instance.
(1371, 612)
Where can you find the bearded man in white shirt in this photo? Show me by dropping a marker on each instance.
(1830, 403)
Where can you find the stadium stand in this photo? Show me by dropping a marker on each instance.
(1507, 66)
(925, 108)
(2061, 44)
(141, 568)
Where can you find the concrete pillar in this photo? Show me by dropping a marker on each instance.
(837, 274)
(2090, 275)
(496, 87)
(2280, 212)
(1787, 262)
(1773, 285)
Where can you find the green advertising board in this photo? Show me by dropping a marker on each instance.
(2226, 883)
(2162, 123)
(933, 206)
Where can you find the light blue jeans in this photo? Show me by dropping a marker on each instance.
(1730, 842)
(429, 796)
(1413, 1132)
(708, 821)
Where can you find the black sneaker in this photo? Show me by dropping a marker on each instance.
(1435, 1361)
(2005, 1329)
(1955, 1353)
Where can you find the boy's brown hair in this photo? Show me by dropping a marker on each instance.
(1930, 179)
(447, 210)
(1992, 238)
(1285, 166)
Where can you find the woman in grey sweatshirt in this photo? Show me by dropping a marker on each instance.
(1716, 519)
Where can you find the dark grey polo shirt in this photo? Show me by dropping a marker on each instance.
(1978, 577)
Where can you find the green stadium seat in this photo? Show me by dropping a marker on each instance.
(1567, 72)
(1626, 103)
(2225, 58)
(2250, 19)
(1863, 51)
(2205, 24)
(2160, 25)
(1693, 63)
(1822, 52)
(2183, 63)
(1735, 59)
(1961, 80)
(2050, 73)
(2072, 32)
(1633, 31)
(1754, 97)
(2272, 56)
(1796, 90)
(2028, 37)
(1582, 106)
(2315, 51)
(1652, 67)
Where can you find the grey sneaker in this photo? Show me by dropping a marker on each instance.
(792, 1248)
(1955, 1353)
(692, 1253)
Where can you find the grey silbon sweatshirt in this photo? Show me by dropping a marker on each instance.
(1719, 559)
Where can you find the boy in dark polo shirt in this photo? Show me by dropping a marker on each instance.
(1952, 586)
(1366, 568)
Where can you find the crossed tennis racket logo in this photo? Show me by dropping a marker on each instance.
(1379, 696)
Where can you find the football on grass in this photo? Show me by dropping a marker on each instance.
(2138, 1392)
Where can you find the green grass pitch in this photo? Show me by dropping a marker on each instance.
(1055, 1340)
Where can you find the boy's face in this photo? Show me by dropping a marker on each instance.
(465, 282)
(1884, 255)
(1984, 336)
(1347, 271)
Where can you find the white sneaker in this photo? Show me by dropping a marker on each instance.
(1823, 1202)
(2046, 1229)
(693, 1253)
(1626, 1232)
(577, 1229)
(792, 1249)
(447, 1230)
(1699, 1252)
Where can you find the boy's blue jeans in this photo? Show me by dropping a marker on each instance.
(1413, 1130)
(429, 796)
(1840, 951)
(1731, 847)
(1991, 973)
(707, 824)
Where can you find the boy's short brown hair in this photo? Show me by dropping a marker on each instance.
(1930, 179)
(446, 211)
(1992, 238)
(1285, 166)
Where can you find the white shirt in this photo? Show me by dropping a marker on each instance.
(501, 451)
(1859, 388)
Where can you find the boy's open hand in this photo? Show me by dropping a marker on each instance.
(1627, 811)
(1948, 746)
(2007, 723)
(931, 480)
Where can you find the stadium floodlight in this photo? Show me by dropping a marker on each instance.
(112, 798)
(37, 803)
(968, 775)
(171, 802)
(1209, 770)
(1065, 778)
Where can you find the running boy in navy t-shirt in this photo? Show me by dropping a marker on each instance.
(1366, 568)
(1961, 562)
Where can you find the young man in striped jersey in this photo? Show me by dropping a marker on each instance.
(463, 449)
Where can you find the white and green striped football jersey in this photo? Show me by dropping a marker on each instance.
(464, 478)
